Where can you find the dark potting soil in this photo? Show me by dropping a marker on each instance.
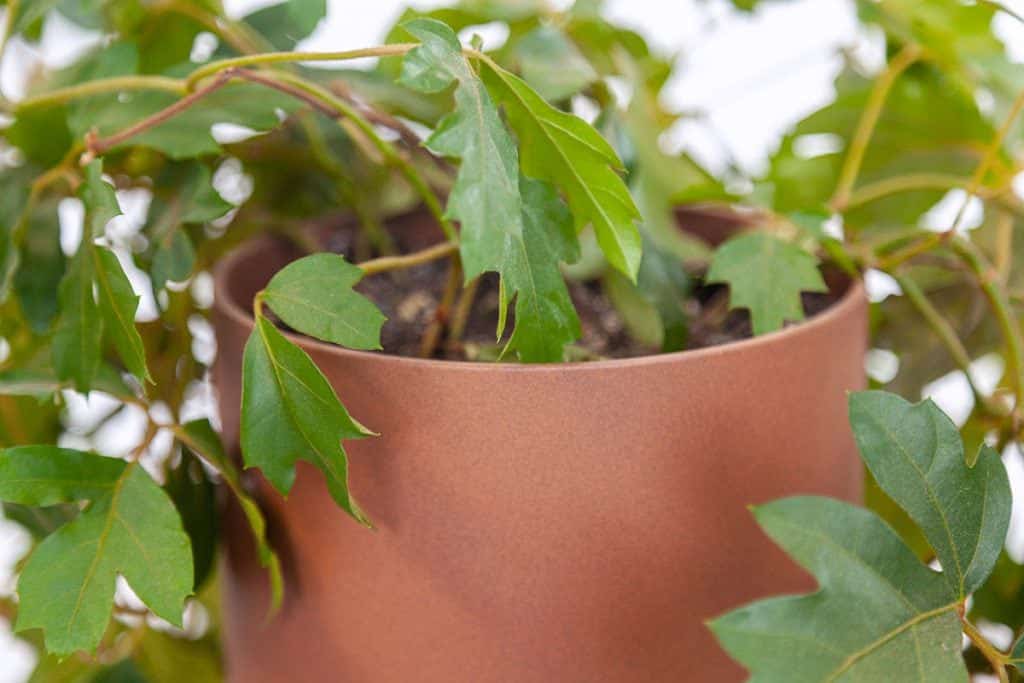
(410, 300)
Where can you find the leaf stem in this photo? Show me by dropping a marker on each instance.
(432, 336)
(96, 146)
(996, 659)
(387, 150)
(387, 263)
(99, 87)
(947, 335)
(988, 278)
(990, 155)
(287, 57)
(868, 121)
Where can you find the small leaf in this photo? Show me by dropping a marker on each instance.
(118, 303)
(566, 151)
(173, 260)
(314, 295)
(552, 64)
(76, 344)
(100, 201)
(290, 412)
(130, 528)
(664, 284)
(916, 455)
(880, 615)
(285, 24)
(195, 498)
(766, 276)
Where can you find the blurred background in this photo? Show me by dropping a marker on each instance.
(743, 79)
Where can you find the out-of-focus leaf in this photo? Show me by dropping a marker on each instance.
(200, 437)
(194, 496)
(766, 276)
(552, 64)
(285, 24)
(315, 296)
(36, 284)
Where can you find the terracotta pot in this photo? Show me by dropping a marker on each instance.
(538, 524)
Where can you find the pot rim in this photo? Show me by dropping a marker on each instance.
(223, 302)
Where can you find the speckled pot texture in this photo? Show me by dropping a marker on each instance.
(538, 524)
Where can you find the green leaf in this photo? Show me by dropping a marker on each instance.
(880, 615)
(173, 260)
(35, 285)
(129, 528)
(306, 14)
(290, 412)
(915, 454)
(518, 229)
(201, 438)
(566, 151)
(314, 295)
(117, 304)
(195, 498)
(76, 344)
(285, 24)
(485, 197)
(546, 319)
(766, 275)
(42, 383)
(552, 64)
(194, 201)
(1017, 654)
(664, 284)
(100, 201)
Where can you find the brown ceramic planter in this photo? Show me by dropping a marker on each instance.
(538, 524)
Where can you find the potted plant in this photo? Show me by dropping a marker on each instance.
(550, 497)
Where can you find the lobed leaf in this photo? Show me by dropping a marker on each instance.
(290, 413)
(766, 276)
(130, 528)
(916, 455)
(314, 295)
(879, 613)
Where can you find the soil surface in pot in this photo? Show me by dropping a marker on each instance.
(410, 300)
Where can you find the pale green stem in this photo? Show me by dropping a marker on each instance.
(288, 57)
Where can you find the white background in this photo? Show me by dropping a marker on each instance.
(751, 76)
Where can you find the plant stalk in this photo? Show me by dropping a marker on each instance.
(387, 263)
(868, 121)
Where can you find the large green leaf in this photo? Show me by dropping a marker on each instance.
(880, 615)
(766, 276)
(290, 412)
(566, 151)
(314, 295)
(915, 454)
(519, 230)
(129, 528)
